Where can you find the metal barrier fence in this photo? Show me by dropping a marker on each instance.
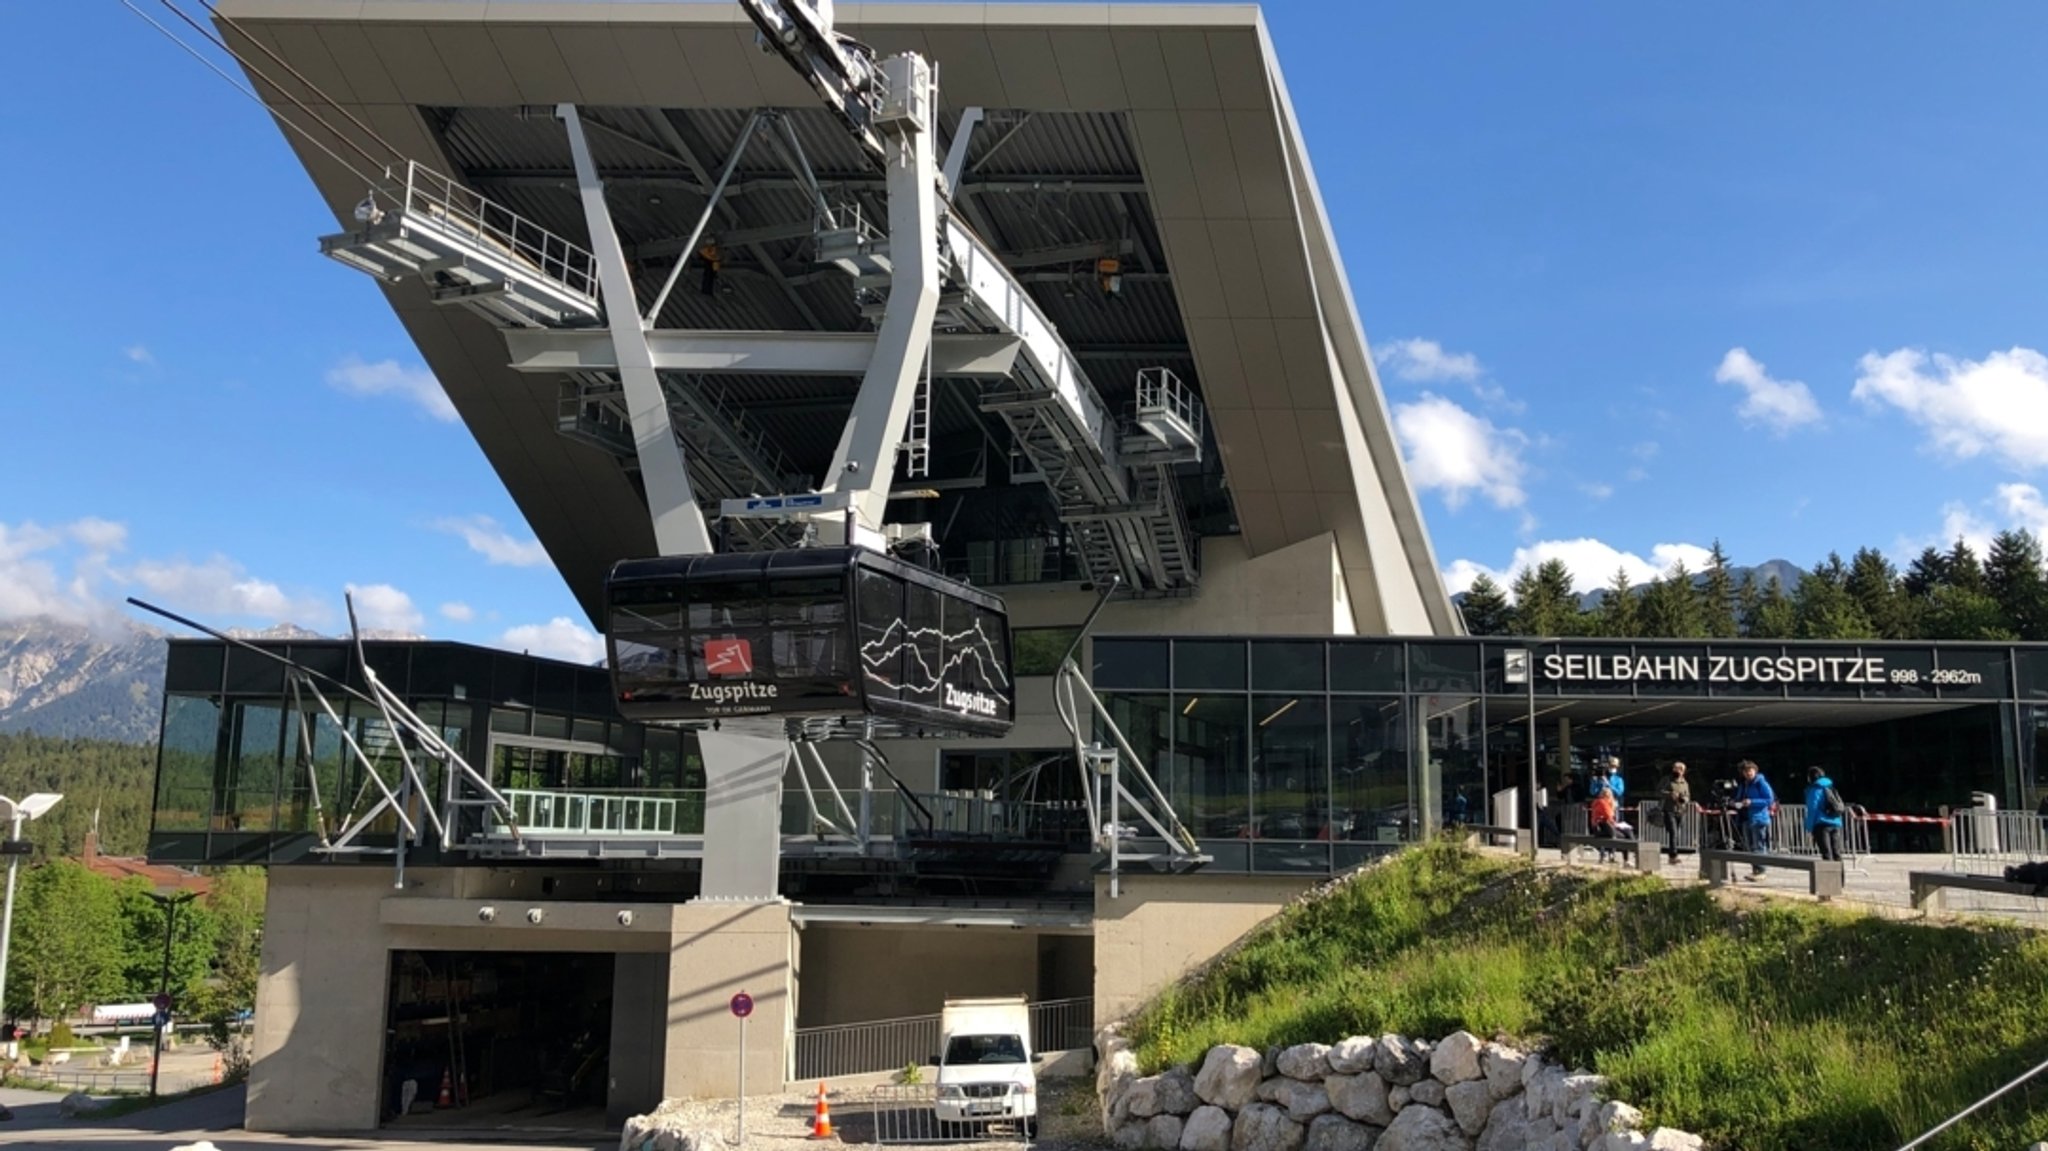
(607, 813)
(1983, 841)
(927, 1113)
(89, 1080)
(893, 1044)
(1714, 828)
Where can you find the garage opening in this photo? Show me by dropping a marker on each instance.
(498, 1040)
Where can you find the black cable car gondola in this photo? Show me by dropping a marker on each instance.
(813, 632)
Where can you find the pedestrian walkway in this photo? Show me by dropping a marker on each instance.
(1877, 880)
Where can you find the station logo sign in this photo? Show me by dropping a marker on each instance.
(972, 702)
(728, 657)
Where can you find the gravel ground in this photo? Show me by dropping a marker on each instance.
(863, 1117)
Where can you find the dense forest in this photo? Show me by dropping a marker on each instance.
(1951, 595)
(113, 779)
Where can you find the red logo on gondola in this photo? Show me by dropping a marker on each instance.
(728, 657)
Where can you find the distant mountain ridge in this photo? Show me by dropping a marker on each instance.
(75, 681)
(1787, 573)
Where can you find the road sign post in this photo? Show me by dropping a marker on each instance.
(742, 1006)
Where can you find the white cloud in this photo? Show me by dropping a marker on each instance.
(1592, 563)
(1597, 491)
(458, 611)
(1998, 405)
(2021, 506)
(100, 537)
(1451, 450)
(1780, 405)
(138, 354)
(220, 587)
(381, 607)
(559, 638)
(1424, 360)
(494, 543)
(387, 377)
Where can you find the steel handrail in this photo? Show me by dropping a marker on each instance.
(1959, 1116)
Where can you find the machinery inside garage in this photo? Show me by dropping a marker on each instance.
(485, 1038)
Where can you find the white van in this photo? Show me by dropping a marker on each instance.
(986, 1073)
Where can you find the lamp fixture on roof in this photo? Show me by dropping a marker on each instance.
(1109, 273)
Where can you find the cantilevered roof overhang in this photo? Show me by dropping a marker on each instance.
(1270, 326)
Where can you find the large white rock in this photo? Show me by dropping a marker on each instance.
(1423, 1129)
(1361, 1097)
(1399, 1061)
(1130, 1135)
(1503, 1067)
(1162, 1132)
(1622, 1141)
(1456, 1059)
(1615, 1116)
(1672, 1139)
(666, 1128)
(1580, 1096)
(1469, 1103)
(1510, 1128)
(1141, 1099)
(1336, 1133)
(1537, 1091)
(1429, 1093)
(1264, 1127)
(1353, 1055)
(1270, 1089)
(1397, 1098)
(1305, 1061)
(1177, 1092)
(1207, 1129)
(1303, 1101)
(1532, 1066)
(77, 1103)
(1113, 1079)
(1229, 1077)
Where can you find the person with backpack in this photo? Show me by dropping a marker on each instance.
(1755, 800)
(1603, 818)
(1825, 812)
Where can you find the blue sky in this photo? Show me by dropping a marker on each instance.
(1639, 275)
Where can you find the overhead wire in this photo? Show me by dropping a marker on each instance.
(373, 181)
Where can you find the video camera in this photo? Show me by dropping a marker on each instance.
(1722, 793)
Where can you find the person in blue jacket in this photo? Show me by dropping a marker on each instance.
(1614, 781)
(1756, 799)
(1823, 826)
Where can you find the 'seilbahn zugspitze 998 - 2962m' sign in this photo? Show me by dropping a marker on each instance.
(1853, 671)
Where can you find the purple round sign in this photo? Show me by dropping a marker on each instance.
(742, 1005)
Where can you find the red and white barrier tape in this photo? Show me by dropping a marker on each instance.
(1875, 818)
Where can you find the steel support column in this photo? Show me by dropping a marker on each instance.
(679, 527)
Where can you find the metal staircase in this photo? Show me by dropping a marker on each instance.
(1114, 489)
(728, 458)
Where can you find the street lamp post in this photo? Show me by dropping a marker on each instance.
(16, 814)
(170, 903)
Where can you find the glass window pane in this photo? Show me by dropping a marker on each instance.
(1290, 767)
(1145, 721)
(1208, 777)
(1971, 673)
(878, 599)
(249, 799)
(1208, 664)
(1445, 771)
(1444, 667)
(1126, 663)
(924, 619)
(185, 761)
(2033, 674)
(1288, 665)
(1356, 666)
(550, 726)
(1369, 764)
(1038, 650)
(309, 798)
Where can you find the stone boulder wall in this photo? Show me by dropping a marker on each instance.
(673, 1126)
(1392, 1093)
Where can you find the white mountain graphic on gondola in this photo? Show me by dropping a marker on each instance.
(971, 644)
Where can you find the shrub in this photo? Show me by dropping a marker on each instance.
(61, 1037)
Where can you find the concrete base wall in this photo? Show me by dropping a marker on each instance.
(1161, 927)
(855, 974)
(720, 949)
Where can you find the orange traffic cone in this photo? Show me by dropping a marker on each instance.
(821, 1122)
(447, 1096)
(216, 1069)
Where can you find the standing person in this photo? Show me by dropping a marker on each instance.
(1824, 813)
(1754, 799)
(1614, 780)
(1674, 799)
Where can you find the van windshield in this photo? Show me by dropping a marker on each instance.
(964, 1050)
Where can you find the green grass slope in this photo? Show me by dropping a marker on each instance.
(1771, 1027)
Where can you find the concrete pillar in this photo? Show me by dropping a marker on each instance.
(719, 949)
(639, 1039)
(320, 1003)
(742, 814)
(1162, 927)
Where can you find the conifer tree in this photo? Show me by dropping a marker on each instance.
(2013, 572)
(1718, 596)
(1823, 607)
(1671, 608)
(1544, 601)
(1486, 607)
(1776, 616)
(1619, 608)
(1873, 583)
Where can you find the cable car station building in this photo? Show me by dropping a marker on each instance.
(841, 399)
